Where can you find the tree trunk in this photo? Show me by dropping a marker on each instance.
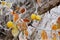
(48, 6)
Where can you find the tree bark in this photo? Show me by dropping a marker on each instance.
(48, 6)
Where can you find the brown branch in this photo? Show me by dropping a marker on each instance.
(48, 6)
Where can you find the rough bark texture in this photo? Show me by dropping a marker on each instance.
(48, 6)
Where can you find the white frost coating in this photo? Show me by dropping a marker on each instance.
(48, 19)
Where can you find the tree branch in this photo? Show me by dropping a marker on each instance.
(48, 6)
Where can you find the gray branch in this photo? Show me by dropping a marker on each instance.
(48, 6)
